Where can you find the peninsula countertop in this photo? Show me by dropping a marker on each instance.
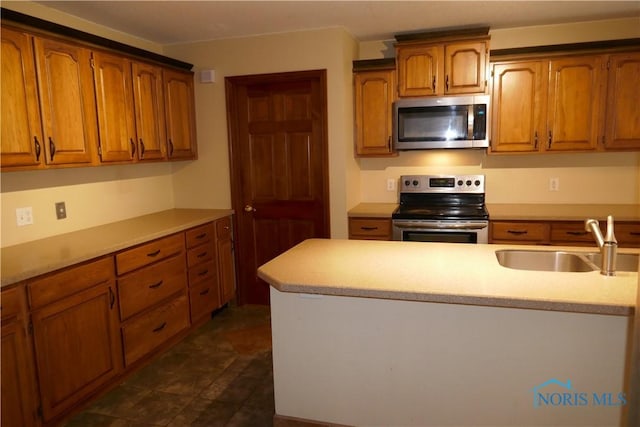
(31, 259)
(526, 211)
(446, 273)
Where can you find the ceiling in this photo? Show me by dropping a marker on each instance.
(174, 22)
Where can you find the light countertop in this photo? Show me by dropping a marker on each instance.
(31, 259)
(531, 212)
(443, 272)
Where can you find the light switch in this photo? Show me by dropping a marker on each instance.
(24, 216)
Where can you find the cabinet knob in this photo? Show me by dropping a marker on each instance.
(249, 208)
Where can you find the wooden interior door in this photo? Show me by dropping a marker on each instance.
(279, 167)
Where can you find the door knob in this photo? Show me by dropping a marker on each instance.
(249, 208)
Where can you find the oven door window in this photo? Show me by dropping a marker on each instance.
(444, 123)
(440, 236)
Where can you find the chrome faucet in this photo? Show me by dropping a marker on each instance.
(608, 244)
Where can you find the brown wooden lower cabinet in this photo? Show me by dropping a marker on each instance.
(226, 268)
(19, 395)
(70, 334)
(560, 233)
(77, 345)
(145, 333)
(370, 228)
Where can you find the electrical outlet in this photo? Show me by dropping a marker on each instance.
(61, 210)
(24, 216)
(554, 184)
(391, 184)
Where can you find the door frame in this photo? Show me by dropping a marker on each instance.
(232, 85)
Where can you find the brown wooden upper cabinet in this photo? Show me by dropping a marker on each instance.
(451, 68)
(130, 109)
(48, 106)
(566, 103)
(374, 93)
(69, 104)
(622, 125)
(180, 114)
(22, 142)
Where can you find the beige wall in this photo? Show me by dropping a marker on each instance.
(99, 195)
(205, 183)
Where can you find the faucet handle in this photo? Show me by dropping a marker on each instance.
(610, 237)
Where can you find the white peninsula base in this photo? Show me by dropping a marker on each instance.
(375, 362)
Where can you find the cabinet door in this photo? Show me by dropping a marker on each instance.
(149, 107)
(180, 114)
(21, 125)
(226, 269)
(623, 98)
(575, 110)
(519, 103)
(67, 102)
(420, 70)
(465, 68)
(19, 396)
(374, 96)
(116, 120)
(77, 347)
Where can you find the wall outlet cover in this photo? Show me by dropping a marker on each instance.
(61, 210)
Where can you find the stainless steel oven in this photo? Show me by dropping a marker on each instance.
(441, 208)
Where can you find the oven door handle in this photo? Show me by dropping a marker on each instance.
(440, 226)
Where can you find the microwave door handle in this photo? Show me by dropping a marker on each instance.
(470, 122)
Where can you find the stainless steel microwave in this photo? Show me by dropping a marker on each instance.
(441, 122)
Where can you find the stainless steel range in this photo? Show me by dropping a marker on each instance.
(441, 208)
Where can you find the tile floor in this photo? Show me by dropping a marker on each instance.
(220, 375)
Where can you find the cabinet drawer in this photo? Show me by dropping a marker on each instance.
(203, 272)
(628, 234)
(63, 283)
(146, 287)
(142, 335)
(200, 254)
(199, 235)
(10, 302)
(223, 228)
(149, 253)
(370, 228)
(571, 232)
(204, 298)
(520, 231)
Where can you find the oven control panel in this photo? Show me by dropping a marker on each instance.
(442, 184)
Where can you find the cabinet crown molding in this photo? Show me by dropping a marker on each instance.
(42, 26)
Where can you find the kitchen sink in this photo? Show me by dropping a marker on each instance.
(544, 261)
(624, 262)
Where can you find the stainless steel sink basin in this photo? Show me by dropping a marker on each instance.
(624, 262)
(544, 261)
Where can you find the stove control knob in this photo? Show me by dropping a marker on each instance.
(415, 182)
(477, 183)
(468, 182)
(407, 183)
(460, 183)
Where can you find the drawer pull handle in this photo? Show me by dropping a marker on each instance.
(635, 233)
(201, 236)
(156, 285)
(202, 255)
(368, 228)
(206, 291)
(517, 232)
(203, 273)
(577, 233)
(161, 327)
(154, 254)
